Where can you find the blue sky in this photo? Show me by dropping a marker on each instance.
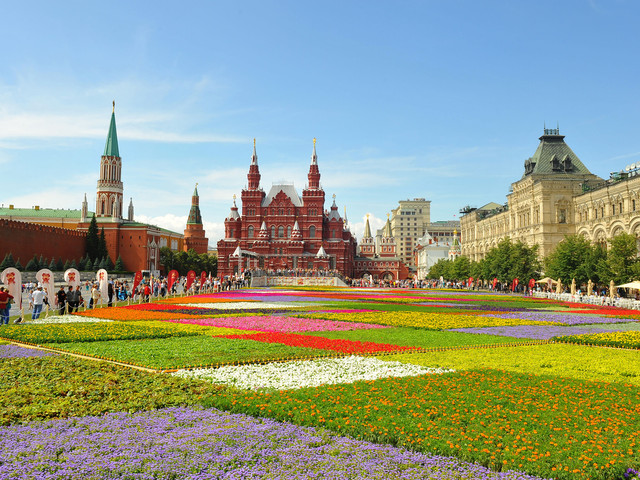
(437, 99)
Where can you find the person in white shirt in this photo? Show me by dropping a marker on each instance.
(37, 298)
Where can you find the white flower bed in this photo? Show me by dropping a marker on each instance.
(307, 373)
(243, 305)
(63, 319)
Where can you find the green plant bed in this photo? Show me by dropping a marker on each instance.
(504, 420)
(415, 337)
(59, 387)
(170, 353)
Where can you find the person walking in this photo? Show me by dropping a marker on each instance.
(71, 300)
(37, 300)
(61, 299)
(95, 296)
(5, 305)
(110, 293)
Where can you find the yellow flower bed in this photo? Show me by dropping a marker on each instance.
(561, 360)
(428, 320)
(630, 339)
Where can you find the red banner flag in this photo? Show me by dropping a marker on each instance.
(532, 283)
(137, 279)
(495, 281)
(173, 276)
(203, 279)
(514, 284)
(191, 276)
(470, 281)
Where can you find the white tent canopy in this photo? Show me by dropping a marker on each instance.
(635, 284)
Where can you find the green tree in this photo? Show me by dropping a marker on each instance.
(510, 260)
(42, 262)
(460, 269)
(18, 265)
(32, 265)
(96, 265)
(119, 266)
(441, 268)
(66, 266)
(108, 264)
(570, 259)
(93, 239)
(8, 261)
(622, 259)
(52, 264)
(102, 245)
(59, 265)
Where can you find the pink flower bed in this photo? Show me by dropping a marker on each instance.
(268, 323)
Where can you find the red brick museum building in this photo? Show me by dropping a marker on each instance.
(281, 230)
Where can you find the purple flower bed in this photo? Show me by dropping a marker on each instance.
(14, 351)
(536, 332)
(565, 318)
(203, 444)
(278, 324)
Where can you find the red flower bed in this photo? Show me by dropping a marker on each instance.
(157, 307)
(311, 341)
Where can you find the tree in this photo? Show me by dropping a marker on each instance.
(622, 263)
(510, 260)
(66, 266)
(52, 264)
(18, 265)
(93, 239)
(42, 262)
(441, 268)
(96, 264)
(108, 264)
(102, 245)
(7, 262)
(119, 266)
(32, 265)
(59, 265)
(571, 259)
(460, 268)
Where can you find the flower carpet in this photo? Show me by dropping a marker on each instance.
(324, 383)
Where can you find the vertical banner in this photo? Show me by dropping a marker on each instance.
(45, 277)
(12, 279)
(136, 280)
(203, 279)
(103, 280)
(495, 282)
(173, 276)
(191, 276)
(72, 277)
(532, 284)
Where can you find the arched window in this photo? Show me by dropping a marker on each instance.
(280, 231)
(273, 231)
(250, 231)
(312, 231)
(102, 208)
(289, 231)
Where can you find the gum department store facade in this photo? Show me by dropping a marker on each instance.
(556, 196)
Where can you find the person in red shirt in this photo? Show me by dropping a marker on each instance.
(147, 292)
(5, 298)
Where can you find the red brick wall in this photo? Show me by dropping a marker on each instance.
(24, 240)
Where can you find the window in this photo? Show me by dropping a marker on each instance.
(613, 209)
(289, 231)
(312, 232)
(250, 231)
(273, 231)
(633, 205)
(280, 231)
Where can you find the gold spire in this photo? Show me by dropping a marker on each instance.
(254, 142)
(314, 141)
(114, 107)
